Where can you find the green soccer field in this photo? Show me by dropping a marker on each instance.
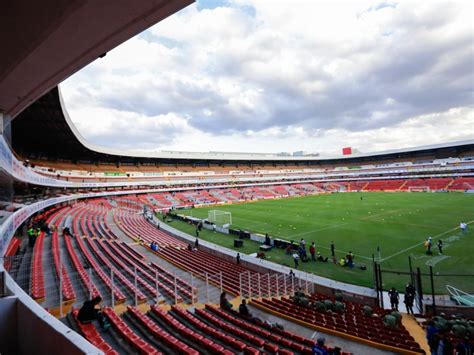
(398, 223)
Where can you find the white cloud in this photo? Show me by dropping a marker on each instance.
(259, 75)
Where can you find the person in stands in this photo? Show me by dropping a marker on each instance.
(238, 258)
(224, 303)
(89, 312)
(244, 310)
(319, 348)
(300, 298)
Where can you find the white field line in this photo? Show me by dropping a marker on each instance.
(254, 223)
(421, 243)
(319, 229)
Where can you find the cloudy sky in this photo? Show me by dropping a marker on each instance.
(273, 76)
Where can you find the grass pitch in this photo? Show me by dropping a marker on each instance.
(395, 223)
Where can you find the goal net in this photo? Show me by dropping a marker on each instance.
(220, 218)
(419, 189)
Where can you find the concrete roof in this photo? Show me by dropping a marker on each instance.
(44, 42)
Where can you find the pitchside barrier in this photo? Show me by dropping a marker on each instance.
(257, 285)
(434, 288)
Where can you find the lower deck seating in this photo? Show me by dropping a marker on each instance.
(37, 277)
(352, 323)
(195, 337)
(90, 332)
(132, 339)
(160, 334)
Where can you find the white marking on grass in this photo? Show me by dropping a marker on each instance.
(421, 243)
(436, 259)
(319, 229)
(416, 257)
(380, 214)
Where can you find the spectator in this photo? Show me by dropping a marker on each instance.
(224, 303)
(464, 348)
(196, 243)
(319, 348)
(444, 345)
(88, 313)
(244, 310)
(431, 330)
(238, 258)
(300, 298)
(394, 298)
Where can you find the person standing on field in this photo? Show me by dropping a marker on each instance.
(440, 246)
(333, 254)
(296, 258)
(312, 251)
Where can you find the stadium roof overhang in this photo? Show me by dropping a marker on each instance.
(45, 131)
(44, 42)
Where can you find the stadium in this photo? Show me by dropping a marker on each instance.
(171, 243)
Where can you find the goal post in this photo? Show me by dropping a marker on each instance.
(419, 189)
(220, 218)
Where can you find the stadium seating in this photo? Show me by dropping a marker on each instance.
(68, 293)
(160, 334)
(119, 277)
(105, 278)
(86, 282)
(202, 263)
(37, 277)
(212, 332)
(152, 272)
(351, 323)
(11, 251)
(462, 184)
(136, 227)
(135, 341)
(384, 185)
(90, 332)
